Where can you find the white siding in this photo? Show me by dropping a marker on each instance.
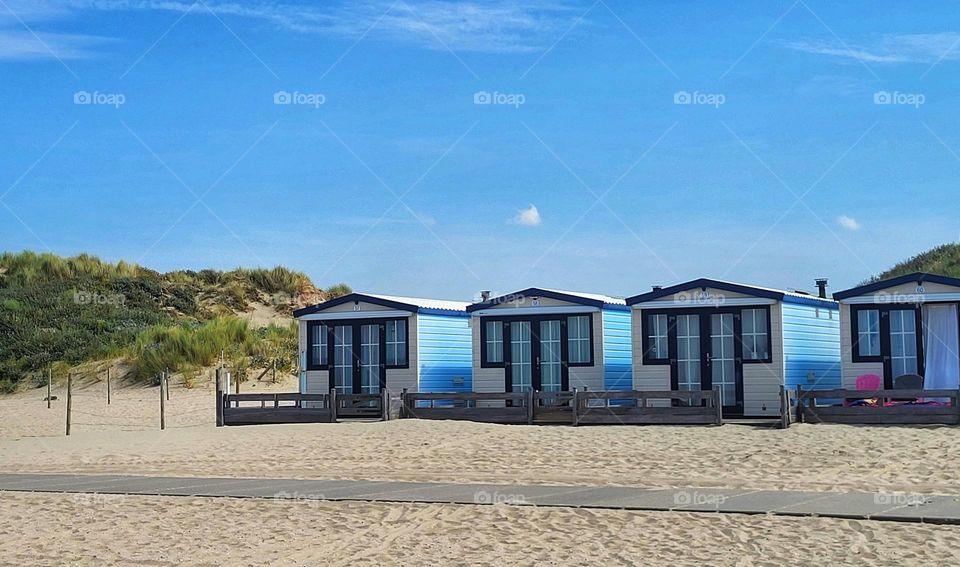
(761, 381)
(850, 369)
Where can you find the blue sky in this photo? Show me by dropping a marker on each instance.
(624, 143)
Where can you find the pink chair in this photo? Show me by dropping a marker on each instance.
(866, 382)
(869, 382)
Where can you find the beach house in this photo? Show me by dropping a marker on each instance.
(747, 341)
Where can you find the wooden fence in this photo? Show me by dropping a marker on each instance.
(580, 407)
(899, 413)
(669, 407)
(256, 409)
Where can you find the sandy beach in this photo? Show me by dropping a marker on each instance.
(124, 437)
(118, 530)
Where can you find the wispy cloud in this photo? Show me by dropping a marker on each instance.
(24, 33)
(848, 223)
(493, 27)
(527, 217)
(887, 49)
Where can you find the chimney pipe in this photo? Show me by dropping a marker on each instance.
(657, 287)
(485, 295)
(822, 287)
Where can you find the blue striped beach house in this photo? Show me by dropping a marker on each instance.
(748, 341)
(363, 343)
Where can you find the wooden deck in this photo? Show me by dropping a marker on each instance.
(808, 411)
(568, 408)
(260, 409)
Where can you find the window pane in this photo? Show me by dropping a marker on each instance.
(578, 339)
(396, 342)
(657, 337)
(754, 334)
(318, 345)
(494, 346)
(868, 332)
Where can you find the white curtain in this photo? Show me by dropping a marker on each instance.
(941, 345)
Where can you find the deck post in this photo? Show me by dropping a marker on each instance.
(576, 407)
(531, 405)
(69, 398)
(163, 423)
(956, 404)
(784, 407)
(404, 407)
(385, 405)
(800, 404)
(718, 404)
(219, 397)
(333, 405)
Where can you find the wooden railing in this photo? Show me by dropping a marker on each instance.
(255, 409)
(898, 413)
(508, 407)
(361, 406)
(580, 407)
(669, 407)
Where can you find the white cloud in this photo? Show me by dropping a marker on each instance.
(23, 45)
(925, 48)
(848, 223)
(492, 27)
(527, 217)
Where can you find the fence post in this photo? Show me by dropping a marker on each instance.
(166, 380)
(718, 404)
(108, 386)
(531, 404)
(404, 407)
(800, 408)
(784, 407)
(385, 405)
(69, 398)
(219, 398)
(576, 407)
(49, 387)
(333, 405)
(163, 424)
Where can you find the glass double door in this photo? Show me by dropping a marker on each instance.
(358, 358)
(708, 355)
(536, 356)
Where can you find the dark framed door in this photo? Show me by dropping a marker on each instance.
(535, 355)
(901, 343)
(358, 358)
(707, 353)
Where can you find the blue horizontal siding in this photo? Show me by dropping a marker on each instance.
(811, 343)
(617, 351)
(444, 345)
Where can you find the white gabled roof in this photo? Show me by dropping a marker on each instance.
(594, 296)
(422, 302)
